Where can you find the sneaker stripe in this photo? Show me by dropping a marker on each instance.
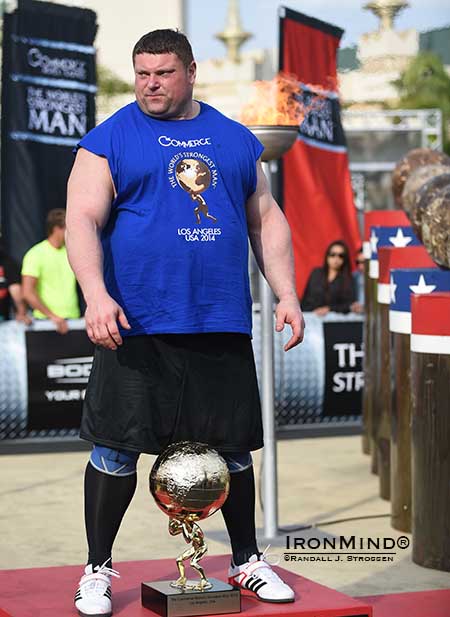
(251, 584)
(256, 588)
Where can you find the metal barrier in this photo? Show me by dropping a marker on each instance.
(43, 375)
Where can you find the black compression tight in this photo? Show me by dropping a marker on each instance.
(107, 498)
(239, 514)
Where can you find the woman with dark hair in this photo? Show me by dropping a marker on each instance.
(331, 287)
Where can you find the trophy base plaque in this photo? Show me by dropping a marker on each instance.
(168, 601)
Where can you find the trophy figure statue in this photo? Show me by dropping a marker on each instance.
(193, 535)
(189, 482)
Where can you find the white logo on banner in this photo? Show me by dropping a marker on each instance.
(69, 68)
(318, 122)
(54, 111)
(69, 371)
(348, 381)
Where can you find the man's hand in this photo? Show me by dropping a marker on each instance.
(102, 315)
(61, 324)
(24, 318)
(288, 311)
(322, 310)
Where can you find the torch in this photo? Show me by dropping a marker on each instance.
(273, 116)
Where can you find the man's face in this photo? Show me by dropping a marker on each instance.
(58, 234)
(163, 85)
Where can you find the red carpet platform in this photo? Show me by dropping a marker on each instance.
(434, 603)
(48, 592)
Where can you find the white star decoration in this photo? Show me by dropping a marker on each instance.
(373, 241)
(422, 287)
(392, 289)
(399, 240)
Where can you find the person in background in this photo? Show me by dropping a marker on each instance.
(358, 282)
(49, 285)
(331, 287)
(11, 289)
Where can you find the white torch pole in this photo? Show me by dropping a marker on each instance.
(269, 475)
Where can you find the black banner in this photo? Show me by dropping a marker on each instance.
(48, 104)
(58, 371)
(322, 124)
(344, 377)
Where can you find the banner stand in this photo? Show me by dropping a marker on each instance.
(48, 104)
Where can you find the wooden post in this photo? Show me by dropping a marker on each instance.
(383, 380)
(430, 378)
(404, 280)
(375, 406)
(384, 403)
(367, 392)
(386, 218)
(388, 258)
(401, 434)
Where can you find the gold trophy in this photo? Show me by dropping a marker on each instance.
(189, 482)
(193, 535)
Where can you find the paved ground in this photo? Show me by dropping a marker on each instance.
(320, 480)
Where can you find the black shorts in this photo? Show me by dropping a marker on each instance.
(159, 389)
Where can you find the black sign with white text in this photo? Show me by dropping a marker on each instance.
(344, 377)
(48, 104)
(58, 371)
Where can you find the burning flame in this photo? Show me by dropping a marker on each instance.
(280, 102)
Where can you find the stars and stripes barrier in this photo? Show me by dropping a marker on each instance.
(398, 236)
(386, 218)
(400, 274)
(430, 379)
(403, 283)
(389, 257)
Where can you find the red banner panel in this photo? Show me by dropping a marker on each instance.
(316, 185)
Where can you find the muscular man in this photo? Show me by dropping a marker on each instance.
(171, 318)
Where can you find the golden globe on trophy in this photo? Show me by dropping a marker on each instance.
(189, 482)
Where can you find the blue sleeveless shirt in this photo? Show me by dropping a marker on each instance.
(176, 245)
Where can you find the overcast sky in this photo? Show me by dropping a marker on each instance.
(207, 17)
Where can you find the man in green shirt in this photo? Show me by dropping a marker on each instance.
(49, 285)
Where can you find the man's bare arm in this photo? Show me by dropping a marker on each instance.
(270, 238)
(15, 291)
(31, 295)
(90, 192)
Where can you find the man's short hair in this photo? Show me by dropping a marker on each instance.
(165, 41)
(55, 218)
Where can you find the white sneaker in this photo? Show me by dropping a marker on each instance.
(257, 576)
(93, 596)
